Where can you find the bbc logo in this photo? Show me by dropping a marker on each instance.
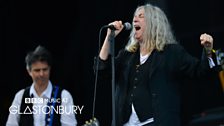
(34, 100)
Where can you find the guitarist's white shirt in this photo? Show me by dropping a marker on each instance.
(67, 119)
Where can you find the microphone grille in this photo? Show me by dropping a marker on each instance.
(127, 26)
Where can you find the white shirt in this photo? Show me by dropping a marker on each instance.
(211, 62)
(67, 119)
(134, 120)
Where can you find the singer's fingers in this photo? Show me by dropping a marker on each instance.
(202, 37)
(206, 37)
(120, 22)
(118, 25)
(207, 44)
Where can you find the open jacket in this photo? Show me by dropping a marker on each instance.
(166, 70)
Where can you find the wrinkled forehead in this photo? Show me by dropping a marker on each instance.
(140, 10)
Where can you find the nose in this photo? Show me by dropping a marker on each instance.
(41, 72)
(135, 19)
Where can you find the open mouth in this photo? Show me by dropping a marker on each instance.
(137, 28)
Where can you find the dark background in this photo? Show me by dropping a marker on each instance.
(70, 30)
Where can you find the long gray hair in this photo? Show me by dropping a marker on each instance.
(157, 32)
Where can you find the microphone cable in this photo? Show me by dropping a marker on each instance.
(96, 66)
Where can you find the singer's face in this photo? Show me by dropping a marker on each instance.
(40, 73)
(139, 24)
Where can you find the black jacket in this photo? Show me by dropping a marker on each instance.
(166, 70)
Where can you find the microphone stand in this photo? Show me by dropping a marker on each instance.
(112, 43)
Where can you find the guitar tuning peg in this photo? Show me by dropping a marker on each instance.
(86, 123)
(92, 122)
(95, 122)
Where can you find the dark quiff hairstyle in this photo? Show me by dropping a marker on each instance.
(39, 54)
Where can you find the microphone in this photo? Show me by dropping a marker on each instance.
(127, 26)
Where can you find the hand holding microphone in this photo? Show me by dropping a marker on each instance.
(117, 26)
(126, 26)
(113, 29)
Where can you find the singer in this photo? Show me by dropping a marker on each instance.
(150, 68)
